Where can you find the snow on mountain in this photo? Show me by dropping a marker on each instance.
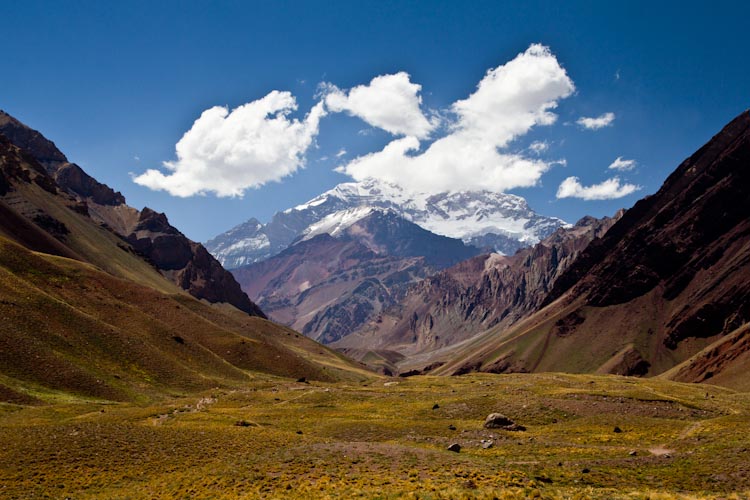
(464, 215)
(498, 221)
(337, 222)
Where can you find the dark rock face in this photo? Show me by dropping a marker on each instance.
(567, 325)
(68, 175)
(30, 140)
(632, 364)
(698, 220)
(390, 234)
(326, 287)
(25, 222)
(73, 178)
(190, 264)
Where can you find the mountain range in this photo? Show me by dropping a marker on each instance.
(337, 277)
(486, 291)
(101, 300)
(391, 238)
(494, 221)
(639, 293)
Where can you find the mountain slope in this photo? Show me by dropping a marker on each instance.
(345, 269)
(481, 219)
(71, 328)
(85, 314)
(668, 280)
(483, 292)
(200, 274)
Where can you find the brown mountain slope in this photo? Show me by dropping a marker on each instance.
(331, 281)
(472, 296)
(198, 272)
(326, 287)
(668, 280)
(69, 327)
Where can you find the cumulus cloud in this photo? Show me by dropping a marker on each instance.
(389, 102)
(507, 103)
(622, 165)
(228, 152)
(608, 190)
(595, 123)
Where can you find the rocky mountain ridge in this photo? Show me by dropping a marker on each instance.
(482, 219)
(150, 233)
(486, 291)
(327, 286)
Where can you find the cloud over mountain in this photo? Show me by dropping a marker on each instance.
(469, 147)
(228, 152)
(389, 102)
(508, 102)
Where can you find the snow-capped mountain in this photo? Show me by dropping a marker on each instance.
(500, 221)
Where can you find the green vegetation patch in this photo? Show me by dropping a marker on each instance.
(585, 437)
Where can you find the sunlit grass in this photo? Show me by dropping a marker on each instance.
(338, 440)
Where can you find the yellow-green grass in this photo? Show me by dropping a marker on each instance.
(384, 439)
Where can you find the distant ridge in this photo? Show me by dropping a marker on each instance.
(482, 219)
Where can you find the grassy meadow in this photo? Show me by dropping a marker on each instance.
(387, 438)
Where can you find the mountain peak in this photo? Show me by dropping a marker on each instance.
(499, 221)
(26, 138)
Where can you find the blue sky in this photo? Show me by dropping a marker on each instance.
(116, 85)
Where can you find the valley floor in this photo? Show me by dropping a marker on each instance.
(388, 438)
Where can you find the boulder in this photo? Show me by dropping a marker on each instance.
(498, 421)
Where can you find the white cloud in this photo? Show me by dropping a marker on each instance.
(389, 102)
(508, 102)
(341, 153)
(591, 123)
(539, 147)
(622, 165)
(228, 152)
(608, 190)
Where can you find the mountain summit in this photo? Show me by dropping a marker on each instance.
(498, 221)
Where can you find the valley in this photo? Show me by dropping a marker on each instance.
(378, 250)
(598, 437)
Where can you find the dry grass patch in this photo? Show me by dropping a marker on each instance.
(275, 438)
